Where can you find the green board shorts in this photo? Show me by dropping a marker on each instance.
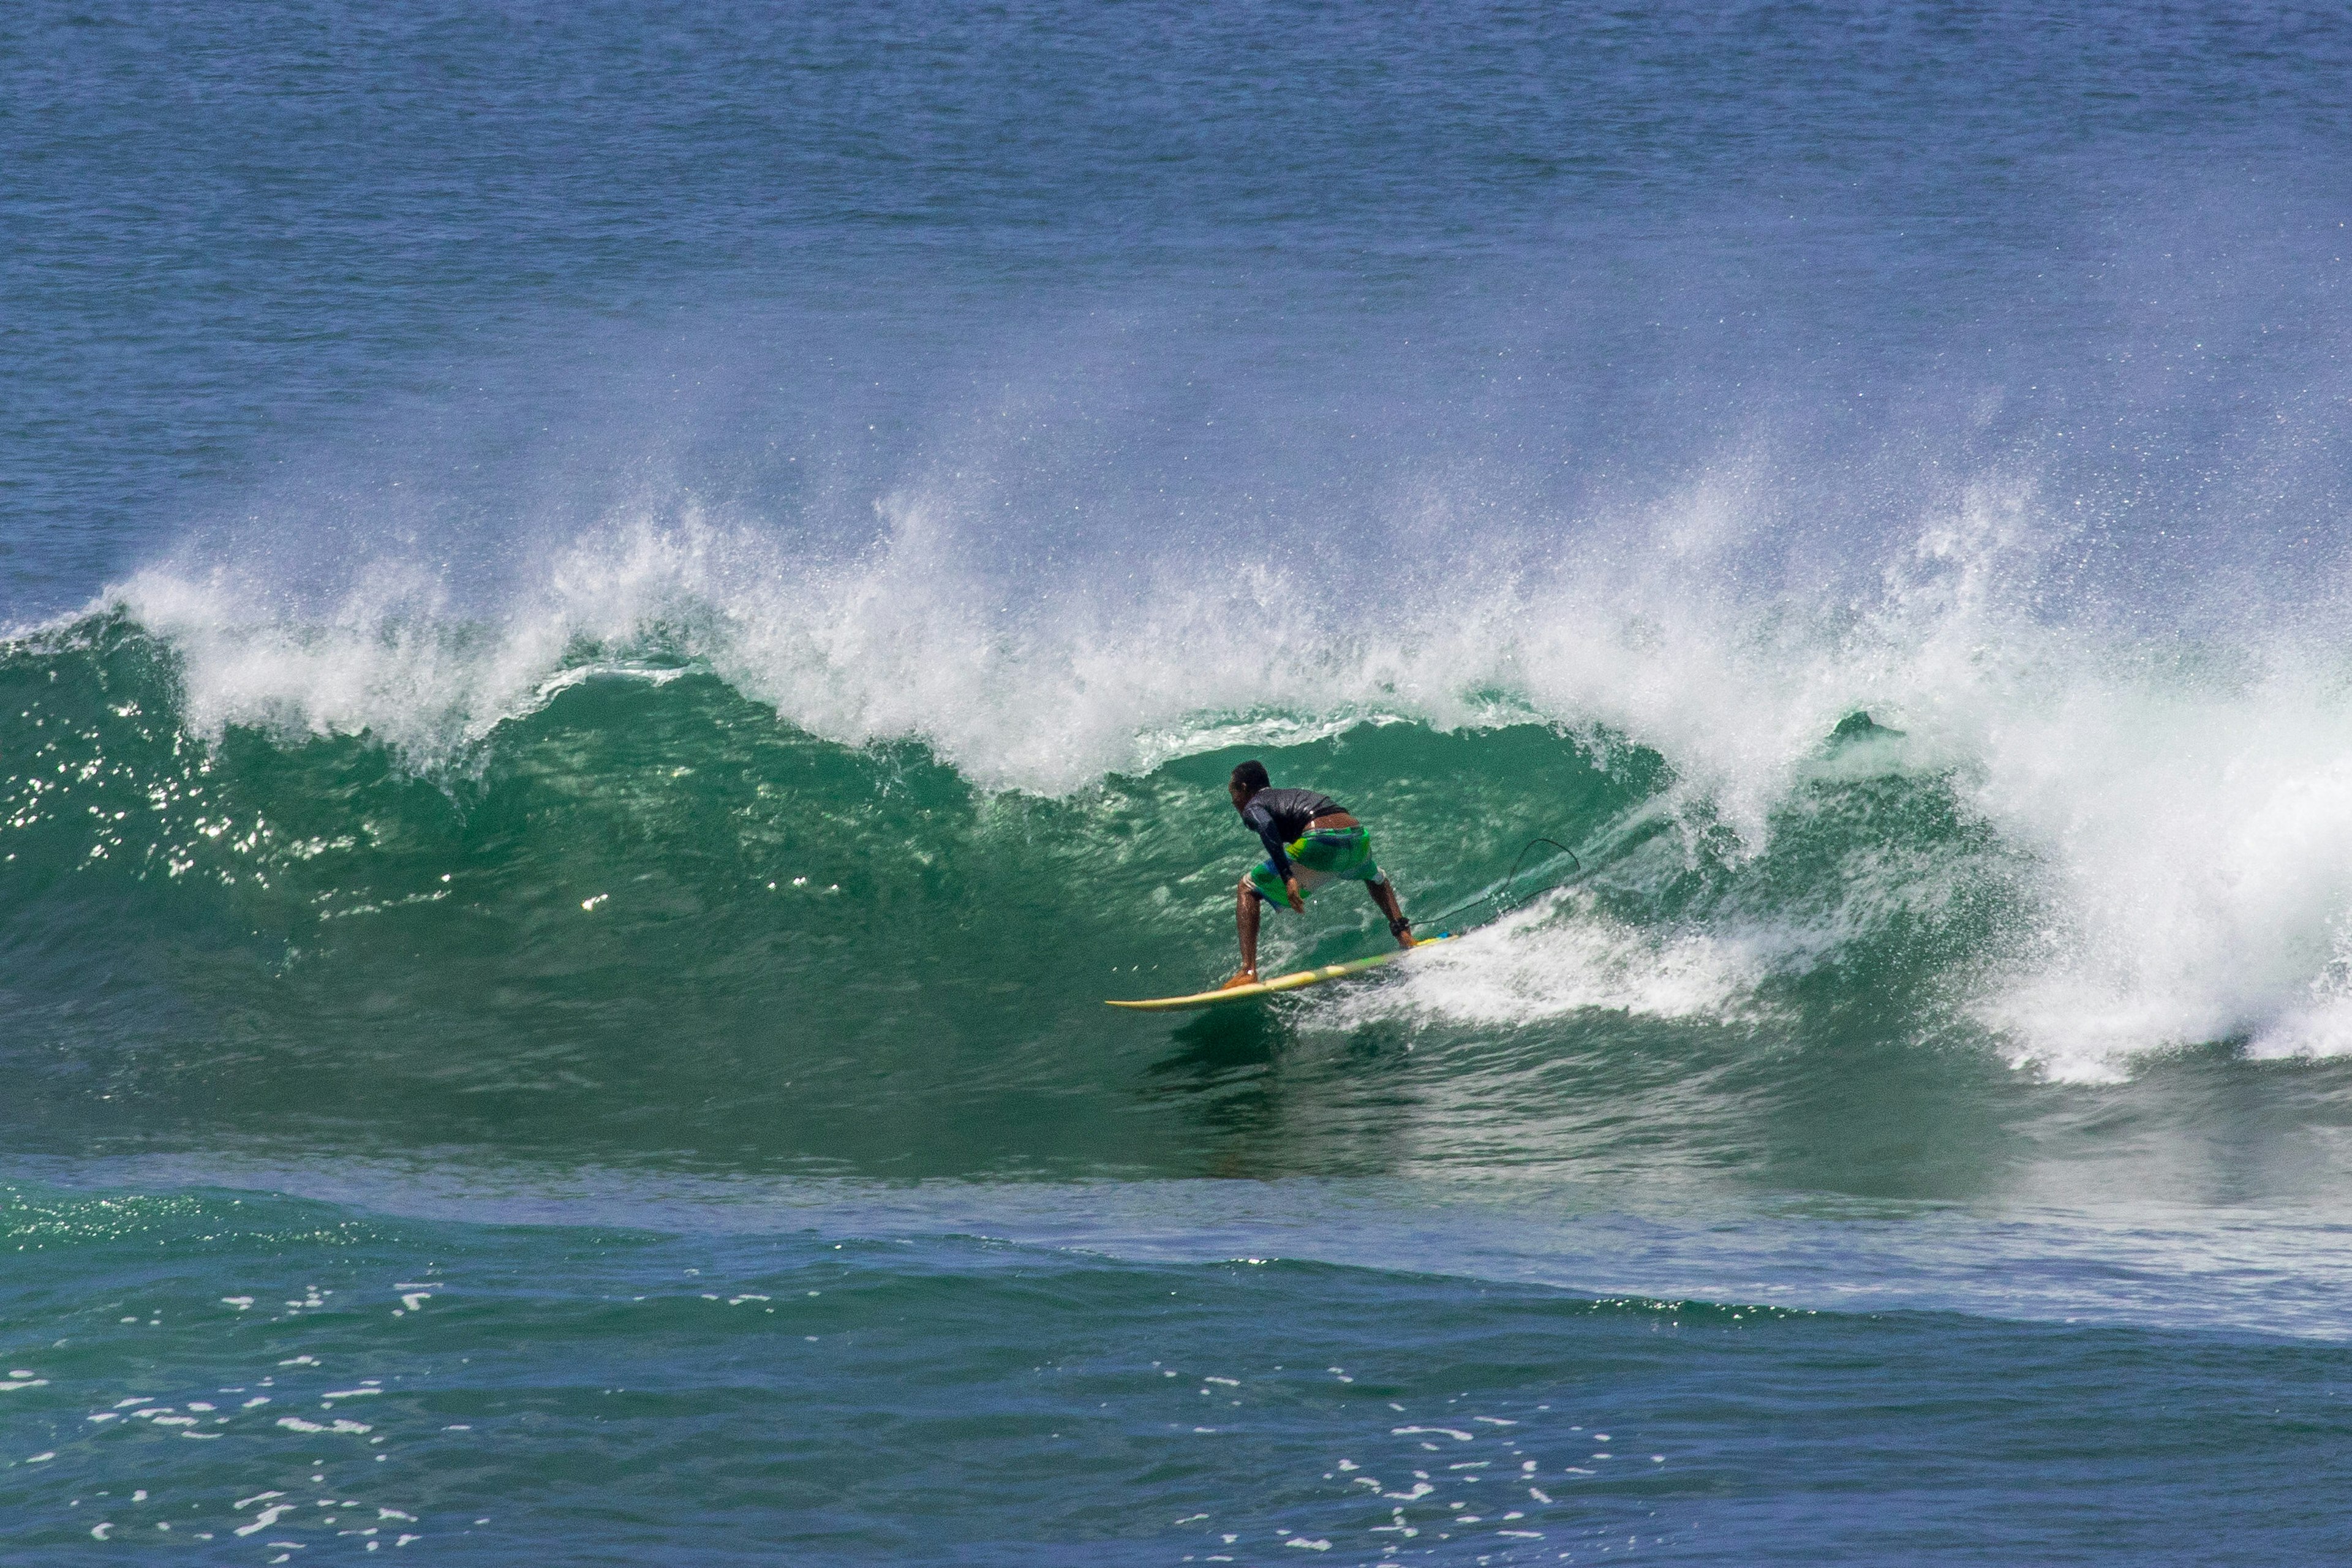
(1327, 854)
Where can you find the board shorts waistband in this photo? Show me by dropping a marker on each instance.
(1326, 855)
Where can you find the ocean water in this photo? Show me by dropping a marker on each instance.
(617, 621)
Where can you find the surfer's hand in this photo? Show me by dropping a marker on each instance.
(1290, 890)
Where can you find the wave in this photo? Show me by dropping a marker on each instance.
(900, 807)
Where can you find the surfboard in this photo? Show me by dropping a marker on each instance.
(1298, 980)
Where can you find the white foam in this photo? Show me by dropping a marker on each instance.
(1040, 681)
(1566, 957)
(2196, 846)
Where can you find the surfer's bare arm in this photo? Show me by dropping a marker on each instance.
(1385, 896)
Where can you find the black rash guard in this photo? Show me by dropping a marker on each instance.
(1279, 816)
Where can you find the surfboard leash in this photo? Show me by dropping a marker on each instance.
(1506, 898)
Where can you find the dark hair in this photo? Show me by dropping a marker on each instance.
(1251, 776)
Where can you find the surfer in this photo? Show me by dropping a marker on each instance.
(1309, 840)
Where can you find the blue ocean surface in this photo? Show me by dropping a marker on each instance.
(617, 622)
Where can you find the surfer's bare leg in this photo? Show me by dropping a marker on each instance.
(1245, 924)
(1385, 896)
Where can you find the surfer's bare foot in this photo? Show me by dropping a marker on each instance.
(1246, 977)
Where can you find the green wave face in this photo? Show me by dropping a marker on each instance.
(650, 922)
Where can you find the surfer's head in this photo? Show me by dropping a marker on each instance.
(1248, 779)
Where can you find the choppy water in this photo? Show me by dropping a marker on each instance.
(620, 621)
